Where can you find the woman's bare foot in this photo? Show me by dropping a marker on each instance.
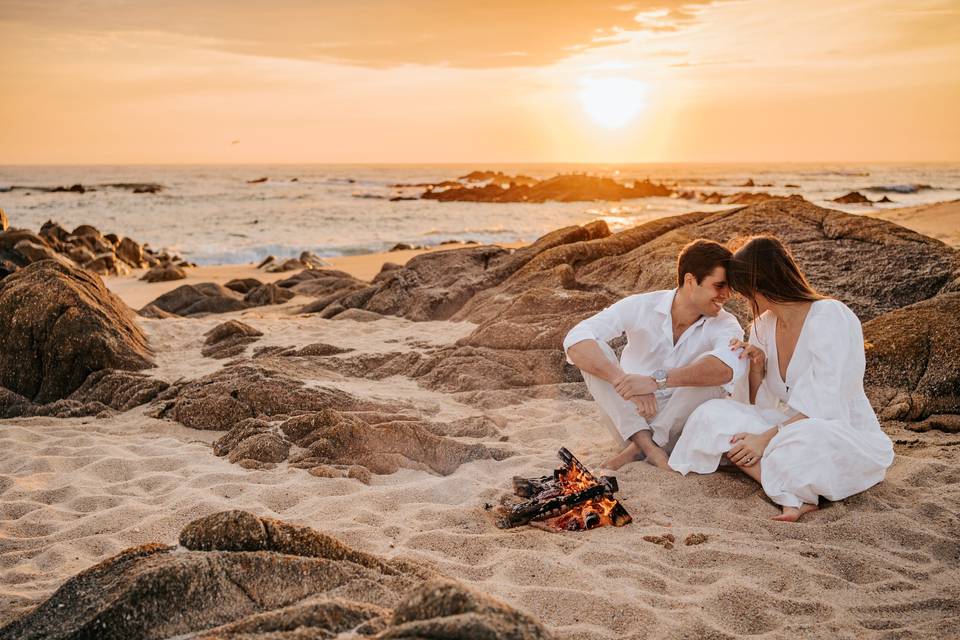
(630, 453)
(792, 514)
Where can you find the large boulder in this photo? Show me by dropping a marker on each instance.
(434, 286)
(130, 251)
(229, 339)
(913, 364)
(34, 252)
(165, 272)
(240, 576)
(206, 297)
(57, 326)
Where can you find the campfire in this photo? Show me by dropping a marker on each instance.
(572, 499)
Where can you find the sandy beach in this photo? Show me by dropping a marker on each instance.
(940, 220)
(881, 564)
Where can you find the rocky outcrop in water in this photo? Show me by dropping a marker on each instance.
(307, 260)
(240, 576)
(564, 188)
(58, 325)
(854, 197)
(83, 247)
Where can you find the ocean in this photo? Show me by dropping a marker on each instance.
(214, 215)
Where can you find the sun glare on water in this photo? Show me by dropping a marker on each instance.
(612, 102)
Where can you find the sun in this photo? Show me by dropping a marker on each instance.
(612, 102)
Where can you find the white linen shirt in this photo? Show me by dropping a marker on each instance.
(646, 319)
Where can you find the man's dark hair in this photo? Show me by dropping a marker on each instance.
(700, 258)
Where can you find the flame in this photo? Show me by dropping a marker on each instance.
(601, 512)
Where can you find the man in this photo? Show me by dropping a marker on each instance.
(677, 356)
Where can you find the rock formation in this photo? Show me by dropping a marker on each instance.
(307, 260)
(229, 339)
(913, 364)
(206, 297)
(240, 576)
(525, 301)
(58, 325)
(854, 197)
(164, 273)
(85, 247)
(267, 412)
(563, 188)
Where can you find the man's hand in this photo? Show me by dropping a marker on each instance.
(646, 405)
(631, 384)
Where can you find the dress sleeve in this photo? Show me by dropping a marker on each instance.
(728, 328)
(833, 352)
(605, 325)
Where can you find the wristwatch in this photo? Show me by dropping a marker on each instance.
(660, 377)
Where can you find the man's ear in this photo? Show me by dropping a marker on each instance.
(689, 279)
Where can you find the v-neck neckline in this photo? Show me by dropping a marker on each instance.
(776, 330)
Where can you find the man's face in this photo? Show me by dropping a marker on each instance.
(711, 293)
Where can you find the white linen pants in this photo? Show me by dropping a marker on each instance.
(622, 419)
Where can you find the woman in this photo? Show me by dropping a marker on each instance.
(809, 430)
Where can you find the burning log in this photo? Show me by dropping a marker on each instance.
(572, 499)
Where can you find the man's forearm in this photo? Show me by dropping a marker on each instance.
(587, 356)
(706, 372)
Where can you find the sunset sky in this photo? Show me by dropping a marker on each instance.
(193, 81)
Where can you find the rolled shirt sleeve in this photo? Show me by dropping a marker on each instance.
(602, 326)
(726, 329)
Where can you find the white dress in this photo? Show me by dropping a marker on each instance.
(839, 450)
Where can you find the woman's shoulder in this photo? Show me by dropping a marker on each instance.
(830, 311)
(831, 307)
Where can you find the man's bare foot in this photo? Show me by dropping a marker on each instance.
(792, 514)
(658, 458)
(630, 453)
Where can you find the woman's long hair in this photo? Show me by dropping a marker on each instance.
(763, 265)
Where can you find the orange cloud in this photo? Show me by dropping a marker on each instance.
(375, 33)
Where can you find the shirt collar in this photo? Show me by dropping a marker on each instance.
(666, 304)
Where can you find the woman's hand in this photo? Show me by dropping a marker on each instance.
(747, 448)
(758, 359)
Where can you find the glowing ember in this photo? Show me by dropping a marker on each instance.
(572, 499)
